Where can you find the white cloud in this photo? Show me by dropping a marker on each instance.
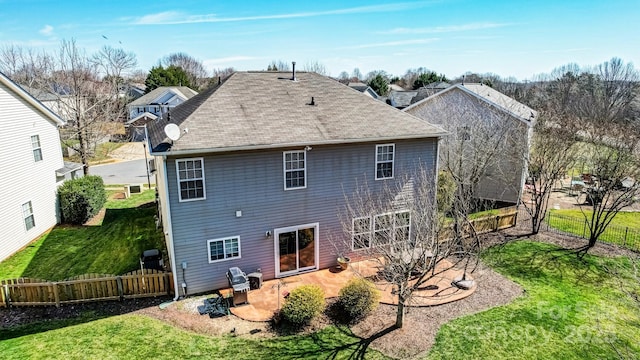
(393, 43)
(47, 30)
(445, 29)
(174, 17)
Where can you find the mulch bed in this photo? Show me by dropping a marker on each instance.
(23, 315)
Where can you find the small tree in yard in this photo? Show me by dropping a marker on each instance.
(81, 199)
(398, 227)
(552, 153)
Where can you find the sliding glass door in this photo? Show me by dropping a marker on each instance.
(296, 249)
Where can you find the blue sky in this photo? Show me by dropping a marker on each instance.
(509, 38)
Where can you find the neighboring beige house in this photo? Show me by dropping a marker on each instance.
(155, 105)
(33, 167)
(493, 125)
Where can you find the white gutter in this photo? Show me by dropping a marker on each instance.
(300, 144)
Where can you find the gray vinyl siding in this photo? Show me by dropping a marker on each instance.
(252, 182)
(504, 180)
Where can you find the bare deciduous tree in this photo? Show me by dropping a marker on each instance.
(316, 67)
(198, 74)
(553, 152)
(279, 65)
(81, 89)
(610, 142)
(222, 73)
(114, 65)
(400, 229)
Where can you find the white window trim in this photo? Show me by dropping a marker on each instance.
(24, 218)
(223, 240)
(373, 225)
(276, 234)
(33, 149)
(395, 214)
(284, 169)
(204, 184)
(373, 230)
(393, 162)
(354, 233)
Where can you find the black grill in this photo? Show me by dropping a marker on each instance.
(240, 283)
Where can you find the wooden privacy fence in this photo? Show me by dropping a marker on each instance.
(506, 218)
(85, 288)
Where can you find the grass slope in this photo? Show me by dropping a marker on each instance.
(571, 310)
(140, 337)
(110, 247)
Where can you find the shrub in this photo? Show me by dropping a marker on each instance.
(358, 298)
(81, 198)
(303, 304)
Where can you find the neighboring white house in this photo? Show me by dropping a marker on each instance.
(32, 167)
(153, 105)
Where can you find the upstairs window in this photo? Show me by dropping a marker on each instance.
(27, 215)
(191, 179)
(295, 170)
(37, 150)
(384, 161)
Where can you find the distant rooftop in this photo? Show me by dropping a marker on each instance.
(268, 109)
(154, 95)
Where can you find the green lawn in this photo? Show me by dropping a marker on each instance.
(573, 221)
(571, 310)
(112, 247)
(622, 219)
(140, 337)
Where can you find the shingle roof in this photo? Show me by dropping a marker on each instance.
(358, 86)
(488, 95)
(182, 91)
(401, 99)
(267, 109)
(502, 100)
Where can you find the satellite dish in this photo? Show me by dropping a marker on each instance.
(172, 131)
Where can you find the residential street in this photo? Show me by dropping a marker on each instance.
(124, 172)
(129, 167)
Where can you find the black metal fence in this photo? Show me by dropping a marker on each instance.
(578, 226)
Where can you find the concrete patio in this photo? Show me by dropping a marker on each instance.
(264, 302)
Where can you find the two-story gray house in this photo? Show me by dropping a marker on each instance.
(252, 173)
